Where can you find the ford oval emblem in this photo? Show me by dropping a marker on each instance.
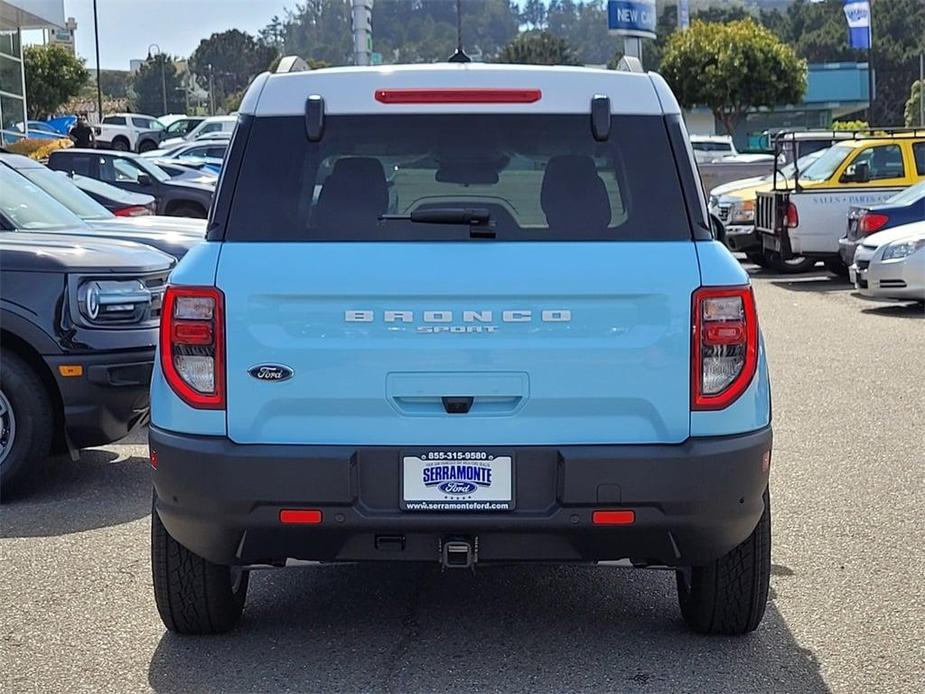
(457, 487)
(270, 372)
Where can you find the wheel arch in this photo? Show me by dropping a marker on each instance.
(13, 341)
(177, 203)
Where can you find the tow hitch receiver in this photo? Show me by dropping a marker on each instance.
(457, 553)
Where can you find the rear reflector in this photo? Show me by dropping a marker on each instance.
(613, 517)
(300, 516)
(458, 96)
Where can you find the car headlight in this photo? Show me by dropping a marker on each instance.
(742, 213)
(902, 249)
(113, 302)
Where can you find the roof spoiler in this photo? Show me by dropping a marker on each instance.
(292, 63)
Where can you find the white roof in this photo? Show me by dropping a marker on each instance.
(351, 90)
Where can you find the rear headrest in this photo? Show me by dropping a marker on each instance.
(355, 194)
(573, 196)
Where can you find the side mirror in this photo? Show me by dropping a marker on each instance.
(716, 228)
(144, 179)
(857, 173)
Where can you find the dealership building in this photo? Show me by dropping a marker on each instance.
(17, 16)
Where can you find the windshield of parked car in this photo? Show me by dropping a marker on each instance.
(540, 176)
(826, 165)
(29, 208)
(909, 195)
(153, 170)
(58, 186)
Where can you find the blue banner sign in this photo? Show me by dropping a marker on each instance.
(858, 16)
(632, 18)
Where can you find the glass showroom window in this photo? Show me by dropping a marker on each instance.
(12, 99)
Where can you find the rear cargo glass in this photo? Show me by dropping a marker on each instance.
(540, 177)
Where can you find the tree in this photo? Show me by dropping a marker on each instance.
(732, 68)
(538, 48)
(913, 111)
(534, 14)
(235, 58)
(149, 87)
(53, 76)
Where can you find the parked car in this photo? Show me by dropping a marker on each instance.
(891, 264)
(362, 367)
(40, 130)
(39, 201)
(213, 124)
(175, 196)
(179, 126)
(205, 170)
(806, 217)
(129, 132)
(905, 207)
(120, 202)
(214, 149)
(79, 319)
(712, 147)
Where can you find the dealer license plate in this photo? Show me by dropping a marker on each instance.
(459, 480)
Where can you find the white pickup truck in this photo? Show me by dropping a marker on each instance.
(806, 215)
(129, 132)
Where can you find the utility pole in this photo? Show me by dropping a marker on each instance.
(99, 88)
(362, 31)
(922, 90)
(211, 92)
(163, 58)
(870, 66)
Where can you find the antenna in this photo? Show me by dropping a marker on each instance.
(459, 56)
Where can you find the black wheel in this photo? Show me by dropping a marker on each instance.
(26, 421)
(146, 146)
(193, 596)
(729, 595)
(791, 266)
(756, 257)
(187, 210)
(120, 144)
(837, 267)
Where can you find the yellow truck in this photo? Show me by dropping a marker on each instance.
(805, 215)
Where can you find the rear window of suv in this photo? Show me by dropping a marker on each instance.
(540, 177)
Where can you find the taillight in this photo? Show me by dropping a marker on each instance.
(132, 211)
(192, 345)
(871, 222)
(724, 349)
(792, 218)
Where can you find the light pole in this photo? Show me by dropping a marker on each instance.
(211, 92)
(99, 88)
(163, 76)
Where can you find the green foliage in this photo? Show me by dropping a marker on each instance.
(913, 111)
(116, 84)
(850, 125)
(534, 13)
(731, 68)
(538, 48)
(53, 76)
(235, 57)
(150, 84)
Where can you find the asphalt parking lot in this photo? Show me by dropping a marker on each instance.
(847, 610)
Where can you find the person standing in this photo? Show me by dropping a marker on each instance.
(82, 133)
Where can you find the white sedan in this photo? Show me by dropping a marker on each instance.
(891, 264)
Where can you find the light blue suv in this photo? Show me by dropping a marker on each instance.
(460, 314)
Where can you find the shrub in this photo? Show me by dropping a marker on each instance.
(38, 149)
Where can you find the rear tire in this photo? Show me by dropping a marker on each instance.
(193, 596)
(27, 421)
(837, 267)
(146, 146)
(792, 266)
(757, 257)
(729, 595)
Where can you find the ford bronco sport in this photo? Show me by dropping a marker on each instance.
(461, 314)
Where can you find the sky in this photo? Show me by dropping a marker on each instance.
(128, 27)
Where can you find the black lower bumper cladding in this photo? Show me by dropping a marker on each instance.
(692, 502)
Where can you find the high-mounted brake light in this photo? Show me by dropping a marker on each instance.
(192, 345)
(724, 346)
(458, 96)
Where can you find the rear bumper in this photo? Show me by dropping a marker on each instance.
(693, 502)
(109, 399)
